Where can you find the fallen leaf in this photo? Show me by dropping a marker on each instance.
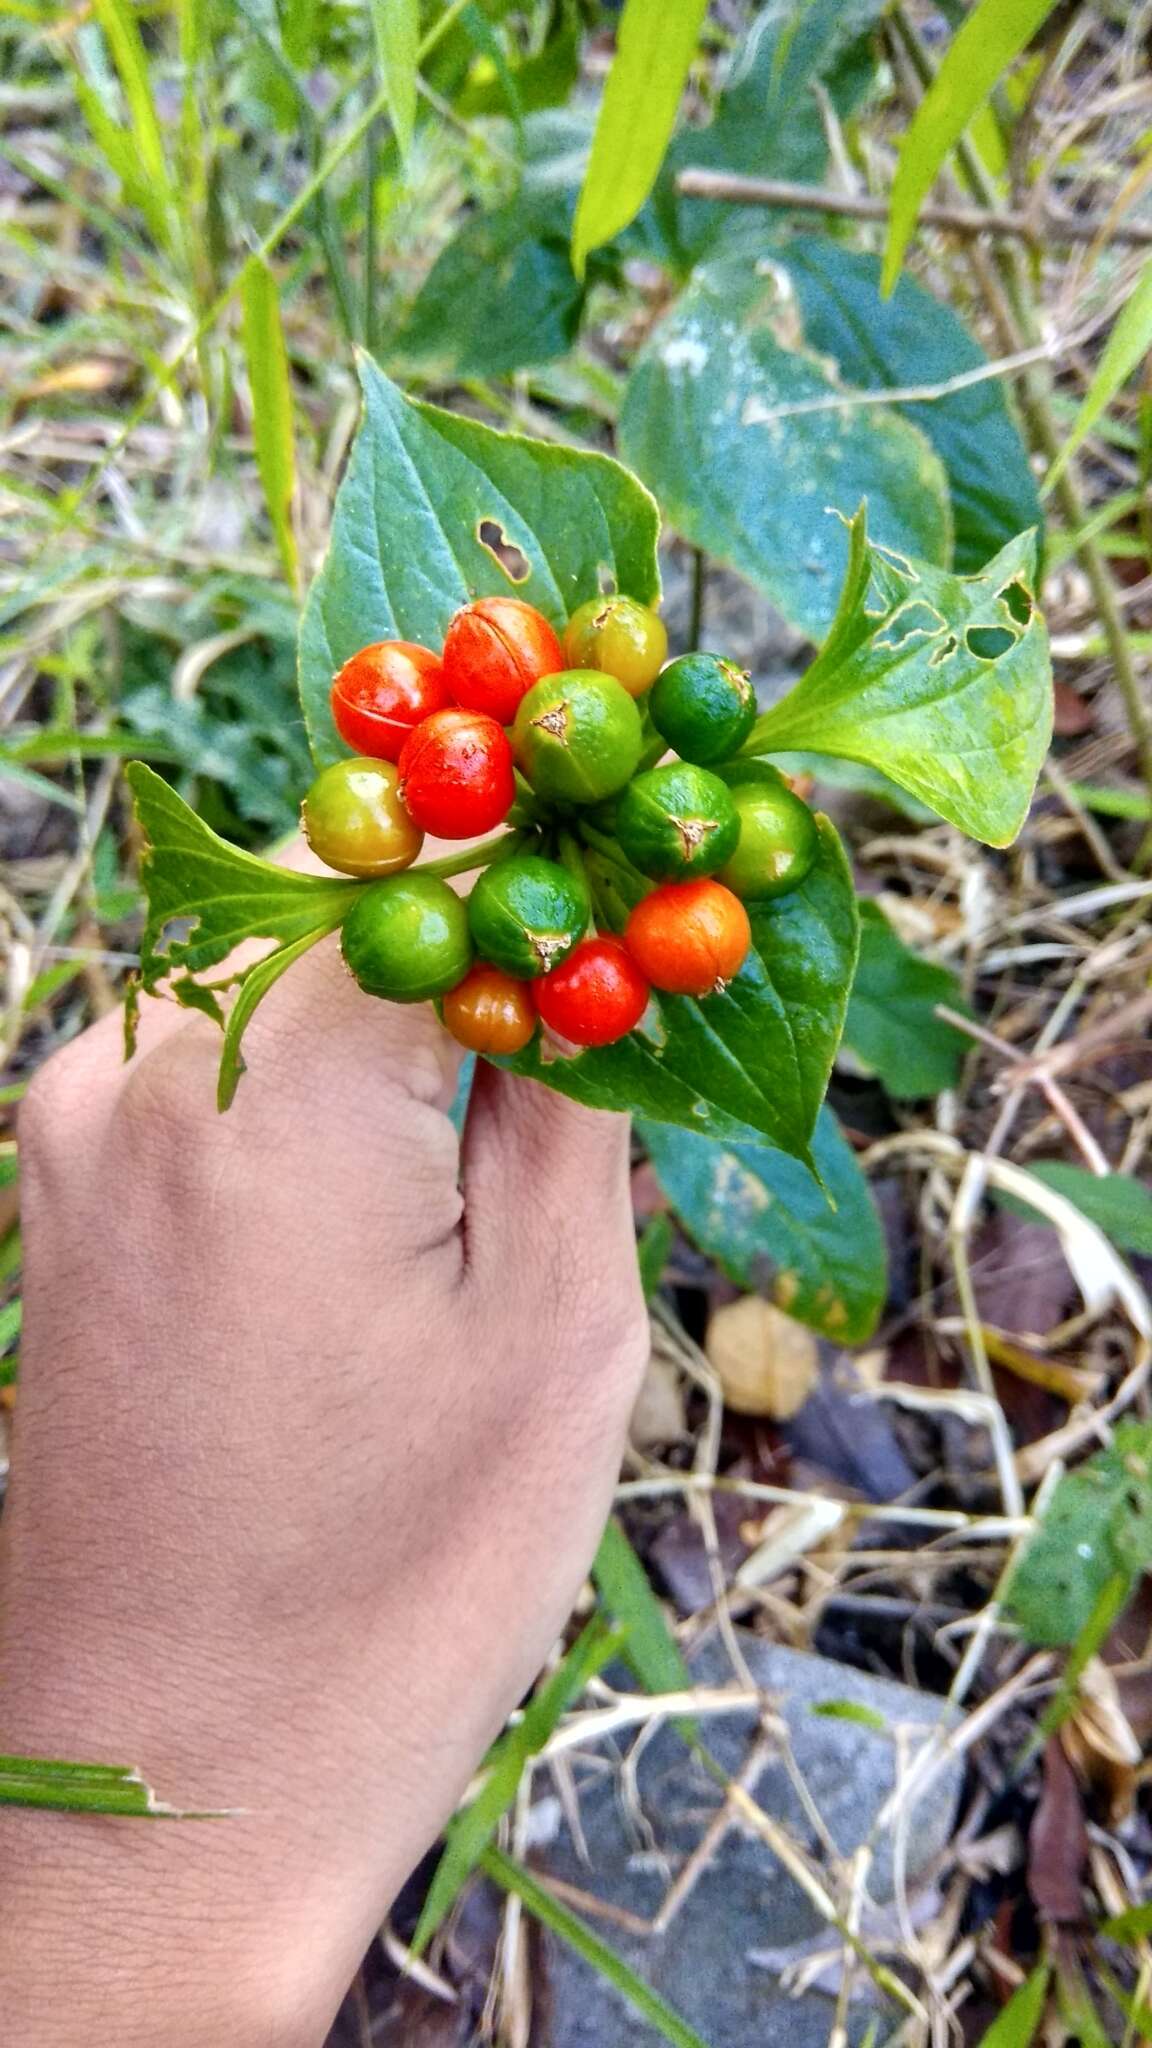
(1073, 713)
(766, 1363)
(1100, 1742)
(1058, 1842)
(89, 377)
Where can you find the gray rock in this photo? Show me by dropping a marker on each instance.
(744, 1903)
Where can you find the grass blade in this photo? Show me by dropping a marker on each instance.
(655, 44)
(1128, 344)
(1016, 2025)
(472, 1830)
(650, 1648)
(82, 1788)
(980, 52)
(397, 27)
(128, 54)
(271, 386)
(512, 1877)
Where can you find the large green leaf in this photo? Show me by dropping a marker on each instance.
(709, 423)
(818, 1251)
(655, 44)
(908, 341)
(892, 1026)
(1098, 1529)
(754, 1060)
(770, 118)
(984, 45)
(406, 547)
(500, 296)
(943, 682)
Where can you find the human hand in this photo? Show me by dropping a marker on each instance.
(319, 1419)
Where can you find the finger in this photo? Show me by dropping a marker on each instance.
(546, 1188)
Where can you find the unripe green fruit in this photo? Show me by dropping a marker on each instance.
(577, 737)
(677, 822)
(527, 914)
(704, 707)
(407, 938)
(778, 843)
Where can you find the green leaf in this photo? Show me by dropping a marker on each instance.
(655, 43)
(650, 1649)
(190, 873)
(907, 341)
(850, 1710)
(1118, 1204)
(816, 1250)
(653, 1251)
(892, 1027)
(1017, 2024)
(11, 1320)
(1098, 1528)
(118, 21)
(80, 1788)
(707, 421)
(471, 1831)
(984, 46)
(754, 1060)
(1133, 1925)
(254, 985)
(501, 296)
(513, 1877)
(271, 387)
(397, 28)
(935, 679)
(406, 547)
(1128, 344)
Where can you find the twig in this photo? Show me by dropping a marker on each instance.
(1050, 224)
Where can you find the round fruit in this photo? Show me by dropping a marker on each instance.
(704, 707)
(526, 914)
(489, 1012)
(620, 637)
(597, 996)
(407, 939)
(677, 821)
(494, 650)
(577, 737)
(689, 938)
(778, 840)
(354, 820)
(456, 775)
(382, 692)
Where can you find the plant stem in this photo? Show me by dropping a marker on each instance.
(469, 857)
(1053, 225)
(699, 579)
(372, 141)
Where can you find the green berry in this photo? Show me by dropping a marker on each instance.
(577, 737)
(778, 839)
(677, 822)
(527, 914)
(704, 707)
(407, 938)
(620, 638)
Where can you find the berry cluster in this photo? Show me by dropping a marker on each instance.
(558, 738)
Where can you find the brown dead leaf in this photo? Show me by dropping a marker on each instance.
(1058, 1843)
(1100, 1742)
(766, 1363)
(91, 376)
(1073, 713)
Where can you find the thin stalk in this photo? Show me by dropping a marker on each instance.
(370, 319)
(470, 857)
(699, 584)
(1020, 331)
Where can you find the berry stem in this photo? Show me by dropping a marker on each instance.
(470, 857)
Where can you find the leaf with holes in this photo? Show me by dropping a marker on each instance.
(943, 682)
(427, 500)
(752, 1061)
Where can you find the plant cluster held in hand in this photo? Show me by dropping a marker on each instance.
(620, 870)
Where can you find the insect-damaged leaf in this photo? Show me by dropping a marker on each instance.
(943, 682)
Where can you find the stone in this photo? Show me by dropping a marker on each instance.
(744, 1904)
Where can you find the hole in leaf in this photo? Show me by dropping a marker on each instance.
(606, 580)
(1018, 601)
(988, 643)
(504, 552)
(944, 652)
(911, 618)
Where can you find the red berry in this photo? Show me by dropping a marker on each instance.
(489, 1012)
(383, 692)
(596, 996)
(494, 650)
(456, 775)
(689, 937)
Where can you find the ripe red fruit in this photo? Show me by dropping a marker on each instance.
(489, 1012)
(689, 937)
(494, 650)
(595, 996)
(383, 692)
(456, 775)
